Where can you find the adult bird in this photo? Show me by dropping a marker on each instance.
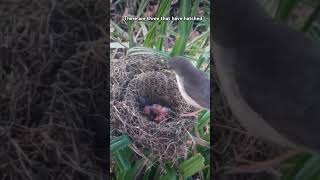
(193, 84)
(269, 74)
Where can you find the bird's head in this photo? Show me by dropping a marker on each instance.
(180, 64)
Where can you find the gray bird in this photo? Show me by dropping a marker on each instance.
(269, 73)
(193, 84)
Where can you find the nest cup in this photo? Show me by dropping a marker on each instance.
(165, 141)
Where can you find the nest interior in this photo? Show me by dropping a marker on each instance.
(165, 141)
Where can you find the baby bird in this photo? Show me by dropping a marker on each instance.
(161, 113)
(156, 112)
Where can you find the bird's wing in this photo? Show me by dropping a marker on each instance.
(276, 71)
(284, 90)
(198, 89)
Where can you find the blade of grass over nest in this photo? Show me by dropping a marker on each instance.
(124, 34)
(311, 19)
(206, 169)
(122, 160)
(203, 121)
(153, 35)
(171, 174)
(204, 118)
(284, 9)
(310, 170)
(192, 165)
(120, 143)
(133, 172)
(144, 51)
(184, 27)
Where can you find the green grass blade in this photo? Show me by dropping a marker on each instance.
(119, 143)
(182, 38)
(192, 165)
(132, 172)
(203, 120)
(295, 164)
(193, 13)
(149, 173)
(151, 36)
(184, 27)
(164, 8)
(170, 175)
(163, 11)
(200, 61)
(184, 12)
(310, 169)
(163, 28)
(131, 29)
(179, 46)
(122, 160)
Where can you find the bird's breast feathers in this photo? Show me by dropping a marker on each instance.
(185, 94)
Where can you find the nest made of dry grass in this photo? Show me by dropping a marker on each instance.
(52, 74)
(148, 76)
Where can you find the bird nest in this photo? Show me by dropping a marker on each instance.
(148, 77)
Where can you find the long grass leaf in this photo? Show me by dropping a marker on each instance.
(163, 11)
(184, 26)
(119, 143)
(192, 165)
(163, 28)
(295, 164)
(310, 169)
(149, 173)
(122, 160)
(170, 175)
